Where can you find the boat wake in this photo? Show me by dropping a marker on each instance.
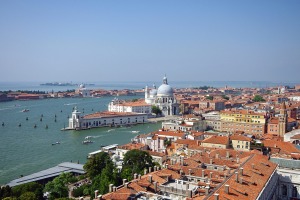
(111, 130)
(69, 104)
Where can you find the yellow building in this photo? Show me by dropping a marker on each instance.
(240, 142)
(243, 120)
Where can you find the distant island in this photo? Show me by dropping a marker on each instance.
(62, 84)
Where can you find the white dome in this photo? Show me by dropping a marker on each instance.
(165, 90)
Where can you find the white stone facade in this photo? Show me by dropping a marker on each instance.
(163, 98)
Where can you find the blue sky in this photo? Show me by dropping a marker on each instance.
(143, 40)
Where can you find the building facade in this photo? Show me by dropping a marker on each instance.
(163, 98)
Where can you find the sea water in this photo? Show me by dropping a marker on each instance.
(25, 150)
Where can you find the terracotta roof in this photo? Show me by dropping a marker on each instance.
(240, 138)
(256, 172)
(106, 114)
(217, 140)
(281, 147)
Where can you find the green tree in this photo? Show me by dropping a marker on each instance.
(96, 164)
(209, 97)
(109, 175)
(225, 97)
(135, 161)
(34, 187)
(258, 98)
(27, 196)
(5, 192)
(156, 110)
(59, 186)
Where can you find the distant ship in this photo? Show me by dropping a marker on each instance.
(58, 84)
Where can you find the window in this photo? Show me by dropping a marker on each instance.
(294, 192)
(284, 190)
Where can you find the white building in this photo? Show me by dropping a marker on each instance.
(139, 106)
(163, 98)
(83, 91)
(106, 118)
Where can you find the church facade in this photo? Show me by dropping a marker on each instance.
(163, 98)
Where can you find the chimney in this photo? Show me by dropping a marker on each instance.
(216, 196)
(139, 177)
(241, 180)
(150, 178)
(227, 154)
(145, 171)
(211, 161)
(241, 171)
(135, 176)
(210, 174)
(217, 155)
(190, 171)
(154, 168)
(237, 160)
(114, 188)
(227, 189)
(150, 169)
(124, 181)
(157, 168)
(96, 193)
(155, 186)
(99, 197)
(236, 177)
(110, 189)
(203, 173)
(252, 165)
(167, 166)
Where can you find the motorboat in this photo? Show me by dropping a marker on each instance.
(135, 131)
(55, 143)
(87, 142)
(88, 137)
(25, 110)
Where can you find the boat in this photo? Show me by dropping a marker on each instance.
(55, 143)
(25, 110)
(87, 141)
(135, 131)
(88, 137)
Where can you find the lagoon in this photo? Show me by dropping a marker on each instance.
(25, 150)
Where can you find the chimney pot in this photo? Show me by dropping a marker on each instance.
(227, 189)
(203, 173)
(145, 171)
(190, 171)
(139, 177)
(150, 178)
(96, 193)
(241, 171)
(124, 181)
(216, 196)
(236, 176)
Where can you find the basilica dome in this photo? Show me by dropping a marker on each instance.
(165, 89)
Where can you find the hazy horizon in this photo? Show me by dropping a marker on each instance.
(115, 41)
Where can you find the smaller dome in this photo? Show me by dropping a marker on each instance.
(153, 92)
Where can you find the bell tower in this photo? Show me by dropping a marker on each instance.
(282, 120)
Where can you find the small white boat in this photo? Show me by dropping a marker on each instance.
(25, 110)
(87, 141)
(88, 137)
(135, 131)
(55, 143)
